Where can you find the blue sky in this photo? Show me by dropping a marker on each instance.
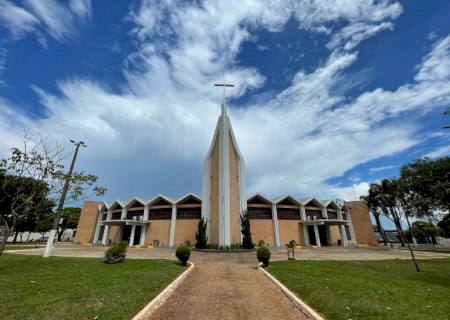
(329, 97)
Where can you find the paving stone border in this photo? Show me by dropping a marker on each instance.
(147, 311)
(299, 304)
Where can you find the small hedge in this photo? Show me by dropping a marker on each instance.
(183, 253)
(117, 253)
(263, 255)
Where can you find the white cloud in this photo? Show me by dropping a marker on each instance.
(16, 19)
(352, 192)
(440, 152)
(383, 168)
(152, 135)
(60, 21)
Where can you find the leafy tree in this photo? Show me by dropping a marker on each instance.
(247, 242)
(426, 187)
(200, 235)
(373, 204)
(444, 224)
(44, 225)
(70, 217)
(424, 230)
(40, 160)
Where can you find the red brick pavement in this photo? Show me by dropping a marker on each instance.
(226, 289)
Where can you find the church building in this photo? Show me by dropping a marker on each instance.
(164, 221)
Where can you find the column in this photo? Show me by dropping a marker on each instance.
(107, 229)
(306, 234)
(327, 231)
(339, 214)
(146, 212)
(324, 213)
(123, 216)
(302, 213)
(143, 232)
(133, 231)
(173, 221)
(276, 233)
(105, 235)
(343, 234)
(316, 234)
(352, 233)
(97, 228)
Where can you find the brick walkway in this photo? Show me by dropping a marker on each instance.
(226, 290)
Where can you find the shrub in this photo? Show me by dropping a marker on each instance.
(117, 253)
(261, 243)
(263, 255)
(183, 253)
(247, 242)
(236, 246)
(200, 235)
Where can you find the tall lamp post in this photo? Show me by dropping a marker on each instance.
(56, 222)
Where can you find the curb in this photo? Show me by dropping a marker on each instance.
(147, 311)
(302, 306)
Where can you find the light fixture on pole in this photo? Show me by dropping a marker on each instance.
(56, 221)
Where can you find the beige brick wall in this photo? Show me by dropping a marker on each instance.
(334, 234)
(214, 224)
(290, 230)
(361, 223)
(158, 230)
(185, 231)
(262, 229)
(235, 228)
(87, 222)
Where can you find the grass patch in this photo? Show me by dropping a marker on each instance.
(388, 289)
(79, 288)
(22, 246)
(428, 249)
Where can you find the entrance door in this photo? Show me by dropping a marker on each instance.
(137, 235)
(126, 233)
(323, 235)
(312, 236)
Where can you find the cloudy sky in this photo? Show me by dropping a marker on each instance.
(328, 96)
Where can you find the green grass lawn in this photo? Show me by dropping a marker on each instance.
(79, 288)
(389, 289)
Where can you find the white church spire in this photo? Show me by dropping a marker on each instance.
(223, 182)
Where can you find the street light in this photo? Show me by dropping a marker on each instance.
(51, 238)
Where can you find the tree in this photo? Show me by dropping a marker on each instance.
(44, 225)
(22, 201)
(200, 235)
(40, 160)
(70, 217)
(247, 242)
(424, 230)
(374, 207)
(386, 198)
(444, 224)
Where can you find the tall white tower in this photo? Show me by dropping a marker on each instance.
(223, 185)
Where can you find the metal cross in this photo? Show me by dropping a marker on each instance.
(224, 85)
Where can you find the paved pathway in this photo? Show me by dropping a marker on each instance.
(226, 289)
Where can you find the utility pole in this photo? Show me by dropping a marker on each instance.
(56, 222)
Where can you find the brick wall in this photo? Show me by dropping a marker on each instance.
(262, 229)
(361, 223)
(87, 222)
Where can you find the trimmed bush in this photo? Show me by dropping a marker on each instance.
(263, 255)
(117, 253)
(183, 253)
